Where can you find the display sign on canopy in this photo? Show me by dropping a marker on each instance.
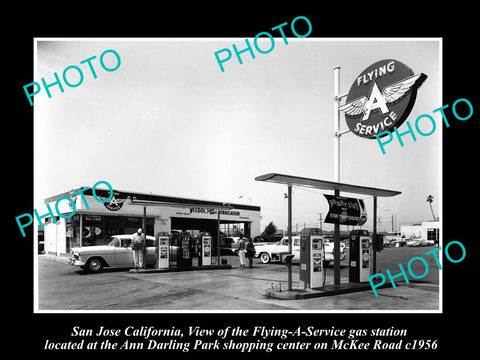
(345, 211)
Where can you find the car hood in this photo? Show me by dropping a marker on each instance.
(93, 249)
(329, 247)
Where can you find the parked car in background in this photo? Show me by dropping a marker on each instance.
(414, 243)
(264, 240)
(392, 238)
(387, 241)
(399, 241)
(329, 251)
(117, 253)
(229, 245)
(270, 252)
(420, 242)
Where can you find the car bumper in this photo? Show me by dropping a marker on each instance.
(329, 256)
(75, 262)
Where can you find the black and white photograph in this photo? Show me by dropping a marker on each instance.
(167, 139)
(258, 185)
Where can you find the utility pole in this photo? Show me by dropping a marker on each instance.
(320, 220)
(289, 234)
(144, 228)
(392, 221)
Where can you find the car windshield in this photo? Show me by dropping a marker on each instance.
(114, 242)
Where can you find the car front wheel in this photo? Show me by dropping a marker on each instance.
(264, 258)
(95, 265)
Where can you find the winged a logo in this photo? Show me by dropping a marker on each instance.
(115, 203)
(381, 98)
(390, 94)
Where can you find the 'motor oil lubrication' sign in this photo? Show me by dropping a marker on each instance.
(381, 98)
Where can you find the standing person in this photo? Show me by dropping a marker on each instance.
(250, 252)
(138, 242)
(241, 251)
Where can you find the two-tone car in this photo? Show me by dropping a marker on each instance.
(270, 252)
(117, 253)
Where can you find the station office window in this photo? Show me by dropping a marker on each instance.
(97, 229)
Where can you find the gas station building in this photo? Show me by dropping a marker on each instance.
(95, 222)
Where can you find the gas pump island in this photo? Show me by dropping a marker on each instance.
(177, 250)
(312, 256)
(168, 254)
(362, 261)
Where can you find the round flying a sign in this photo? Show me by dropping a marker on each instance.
(115, 203)
(381, 98)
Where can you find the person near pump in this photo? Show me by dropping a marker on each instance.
(250, 252)
(138, 242)
(241, 251)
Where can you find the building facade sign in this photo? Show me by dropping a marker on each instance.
(200, 210)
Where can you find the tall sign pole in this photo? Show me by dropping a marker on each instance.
(336, 124)
(144, 227)
(218, 237)
(374, 233)
(380, 99)
(336, 170)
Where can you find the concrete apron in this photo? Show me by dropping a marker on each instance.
(256, 277)
(327, 290)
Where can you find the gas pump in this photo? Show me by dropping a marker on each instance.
(185, 249)
(163, 250)
(312, 255)
(206, 249)
(360, 251)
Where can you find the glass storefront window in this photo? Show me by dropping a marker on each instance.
(97, 229)
(92, 230)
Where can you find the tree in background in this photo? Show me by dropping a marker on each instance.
(270, 230)
(430, 200)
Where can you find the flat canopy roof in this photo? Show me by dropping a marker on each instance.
(152, 199)
(325, 185)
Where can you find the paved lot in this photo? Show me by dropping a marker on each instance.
(61, 287)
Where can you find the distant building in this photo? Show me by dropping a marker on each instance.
(428, 230)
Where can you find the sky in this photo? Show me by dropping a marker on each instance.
(168, 121)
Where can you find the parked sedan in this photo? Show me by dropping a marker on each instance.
(270, 252)
(229, 246)
(117, 253)
(416, 243)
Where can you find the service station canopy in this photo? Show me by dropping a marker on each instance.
(337, 187)
(325, 185)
